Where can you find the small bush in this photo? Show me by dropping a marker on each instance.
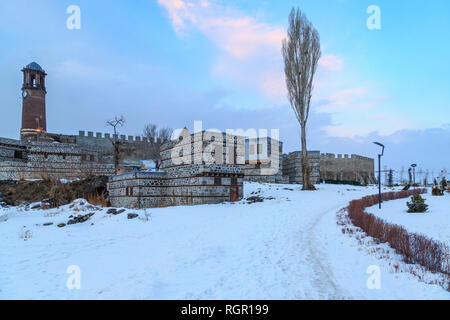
(417, 204)
(436, 191)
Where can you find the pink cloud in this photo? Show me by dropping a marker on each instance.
(236, 33)
(331, 62)
(250, 49)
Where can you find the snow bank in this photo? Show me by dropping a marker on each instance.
(286, 247)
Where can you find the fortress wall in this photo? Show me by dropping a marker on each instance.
(292, 166)
(133, 148)
(347, 168)
(261, 164)
(182, 185)
(100, 141)
(12, 150)
(54, 160)
(203, 147)
(187, 178)
(15, 170)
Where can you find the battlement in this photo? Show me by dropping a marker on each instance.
(345, 167)
(107, 136)
(332, 156)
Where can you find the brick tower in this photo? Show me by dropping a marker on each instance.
(34, 123)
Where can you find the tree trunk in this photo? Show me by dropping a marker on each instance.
(306, 170)
(116, 155)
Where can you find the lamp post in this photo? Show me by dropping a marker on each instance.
(414, 174)
(379, 172)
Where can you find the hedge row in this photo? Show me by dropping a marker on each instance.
(415, 248)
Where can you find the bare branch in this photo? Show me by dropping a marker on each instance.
(156, 137)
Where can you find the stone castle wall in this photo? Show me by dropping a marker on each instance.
(134, 148)
(292, 166)
(353, 168)
(51, 160)
(185, 185)
(12, 150)
(264, 160)
(193, 172)
(202, 148)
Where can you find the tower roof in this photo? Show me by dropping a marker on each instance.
(34, 66)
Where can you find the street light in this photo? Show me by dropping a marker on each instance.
(379, 172)
(414, 174)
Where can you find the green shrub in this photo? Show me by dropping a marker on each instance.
(436, 191)
(417, 204)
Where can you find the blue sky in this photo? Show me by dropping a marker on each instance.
(175, 61)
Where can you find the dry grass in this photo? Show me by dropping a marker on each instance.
(57, 193)
(98, 199)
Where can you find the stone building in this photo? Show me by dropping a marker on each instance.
(264, 160)
(347, 168)
(42, 160)
(292, 166)
(198, 168)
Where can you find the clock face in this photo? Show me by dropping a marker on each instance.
(24, 94)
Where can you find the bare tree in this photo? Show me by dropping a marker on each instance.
(156, 137)
(117, 122)
(301, 54)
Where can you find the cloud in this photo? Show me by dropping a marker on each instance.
(250, 50)
(331, 62)
(239, 35)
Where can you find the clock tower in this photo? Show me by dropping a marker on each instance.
(34, 121)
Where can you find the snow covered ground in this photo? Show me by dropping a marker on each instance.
(434, 223)
(286, 247)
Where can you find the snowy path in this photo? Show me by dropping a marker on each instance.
(324, 278)
(286, 248)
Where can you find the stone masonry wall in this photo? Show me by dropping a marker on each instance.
(54, 160)
(133, 147)
(202, 148)
(195, 171)
(12, 150)
(292, 166)
(264, 160)
(183, 185)
(347, 168)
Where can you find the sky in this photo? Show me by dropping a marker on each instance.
(171, 62)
